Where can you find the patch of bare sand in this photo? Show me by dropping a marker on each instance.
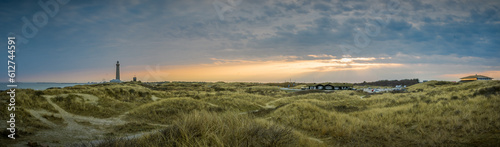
(154, 98)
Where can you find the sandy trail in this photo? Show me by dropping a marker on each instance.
(72, 131)
(38, 114)
(315, 139)
(268, 104)
(71, 118)
(154, 98)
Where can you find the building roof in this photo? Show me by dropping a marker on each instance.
(476, 76)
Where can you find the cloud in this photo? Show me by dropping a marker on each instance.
(322, 56)
(266, 70)
(93, 34)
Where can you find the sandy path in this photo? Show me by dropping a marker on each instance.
(70, 118)
(38, 114)
(268, 104)
(315, 139)
(154, 98)
(71, 131)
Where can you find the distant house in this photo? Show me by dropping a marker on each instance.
(330, 86)
(474, 78)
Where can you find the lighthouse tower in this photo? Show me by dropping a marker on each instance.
(117, 79)
(118, 70)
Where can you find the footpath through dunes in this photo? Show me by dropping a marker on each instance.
(430, 114)
(66, 127)
(71, 128)
(192, 114)
(72, 118)
(203, 128)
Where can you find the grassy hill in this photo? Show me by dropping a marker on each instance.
(434, 113)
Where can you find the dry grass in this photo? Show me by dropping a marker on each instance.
(31, 99)
(434, 113)
(26, 124)
(202, 128)
(167, 110)
(77, 105)
(316, 121)
(443, 113)
(232, 104)
(54, 119)
(128, 128)
(250, 97)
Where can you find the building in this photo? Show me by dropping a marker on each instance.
(117, 70)
(475, 78)
(117, 79)
(331, 86)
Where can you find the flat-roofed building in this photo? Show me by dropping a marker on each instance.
(330, 86)
(474, 78)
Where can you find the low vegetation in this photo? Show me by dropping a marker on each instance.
(167, 110)
(76, 104)
(434, 113)
(202, 128)
(128, 128)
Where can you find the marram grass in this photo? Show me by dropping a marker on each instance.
(434, 113)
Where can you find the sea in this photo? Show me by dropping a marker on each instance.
(38, 86)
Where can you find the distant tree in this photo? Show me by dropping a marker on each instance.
(407, 82)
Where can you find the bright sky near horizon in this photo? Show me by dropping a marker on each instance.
(252, 40)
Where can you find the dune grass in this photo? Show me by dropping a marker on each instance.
(54, 119)
(232, 104)
(129, 128)
(26, 124)
(31, 99)
(444, 113)
(167, 110)
(75, 104)
(435, 113)
(202, 128)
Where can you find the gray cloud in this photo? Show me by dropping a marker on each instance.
(190, 32)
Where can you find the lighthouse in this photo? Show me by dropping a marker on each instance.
(118, 70)
(117, 79)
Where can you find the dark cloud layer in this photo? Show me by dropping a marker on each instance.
(89, 34)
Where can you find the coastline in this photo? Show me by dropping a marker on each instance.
(40, 85)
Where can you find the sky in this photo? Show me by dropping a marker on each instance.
(252, 40)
